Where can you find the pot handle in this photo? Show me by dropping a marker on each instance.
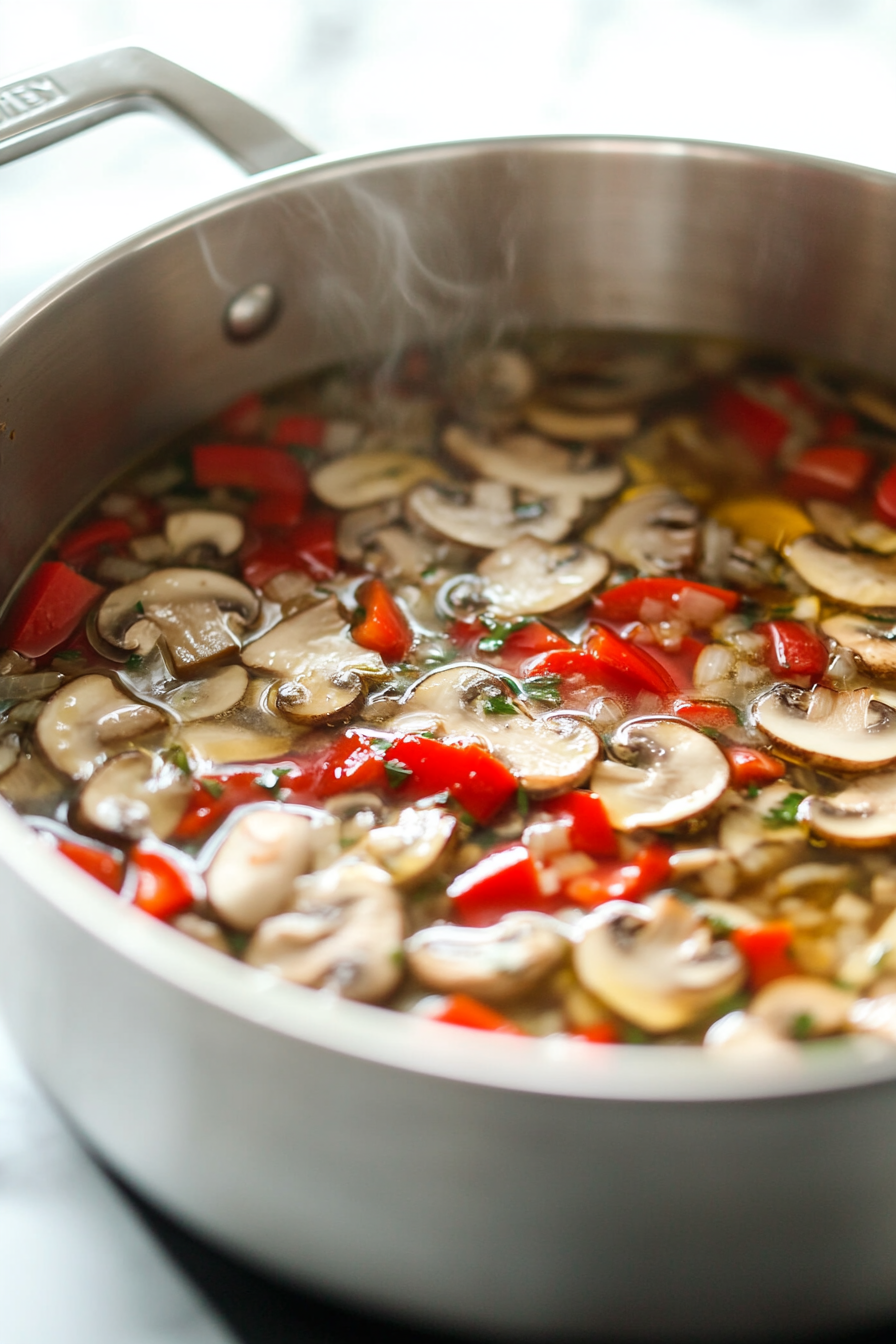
(41, 108)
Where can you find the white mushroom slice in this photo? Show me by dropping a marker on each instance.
(532, 577)
(357, 527)
(837, 730)
(872, 642)
(201, 930)
(397, 553)
(664, 772)
(360, 479)
(134, 795)
(750, 1037)
(488, 518)
(579, 426)
(531, 463)
(204, 527)
(747, 835)
(217, 742)
(411, 848)
(496, 379)
(198, 612)
(494, 963)
(834, 521)
(803, 1005)
(862, 814)
(344, 934)
(875, 1016)
(84, 722)
(547, 755)
(324, 671)
(251, 875)
(655, 964)
(853, 577)
(215, 694)
(656, 530)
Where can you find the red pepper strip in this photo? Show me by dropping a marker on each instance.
(840, 425)
(885, 498)
(749, 766)
(590, 832)
(706, 713)
(795, 391)
(81, 546)
(459, 1010)
(99, 863)
(162, 889)
(680, 663)
(828, 472)
(601, 1033)
(768, 951)
(305, 431)
(625, 602)
(626, 667)
(504, 880)
(244, 418)
(793, 650)
(531, 639)
(276, 510)
(761, 428)
(208, 806)
(268, 470)
(352, 763)
(627, 881)
(48, 608)
(384, 627)
(310, 547)
(479, 782)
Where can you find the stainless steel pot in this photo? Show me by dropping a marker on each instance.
(525, 1187)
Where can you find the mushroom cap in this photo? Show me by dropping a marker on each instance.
(665, 772)
(655, 529)
(495, 963)
(204, 527)
(863, 814)
(837, 730)
(488, 517)
(853, 577)
(414, 845)
(803, 1004)
(205, 697)
(133, 795)
(872, 642)
(531, 463)
(359, 479)
(531, 577)
(655, 964)
(83, 723)
(251, 875)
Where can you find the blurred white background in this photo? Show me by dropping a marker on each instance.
(812, 75)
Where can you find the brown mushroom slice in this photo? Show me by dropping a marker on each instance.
(204, 527)
(360, 479)
(836, 730)
(133, 795)
(215, 694)
(852, 577)
(198, 612)
(863, 814)
(665, 771)
(803, 1006)
(532, 577)
(81, 725)
(872, 642)
(344, 934)
(487, 517)
(251, 876)
(655, 964)
(655, 530)
(356, 528)
(494, 963)
(579, 426)
(324, 671)
(531, 463)
(413, 847)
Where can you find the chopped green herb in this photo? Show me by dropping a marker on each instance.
(498, 704)
(546, 689)
(802, 1025)
(397, 774)
(238, 942)
(134, 662)
(213, 787)
(522, 802)
(177, 756)
(499, 632)
(711, 732)
(785, 813)
(69, 655)
(396, 956)
(534, 509)
(280, 771)
(139, 608)
(633, 1035)
(429, 571)
(752, 790)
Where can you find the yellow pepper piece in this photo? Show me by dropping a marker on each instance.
(765, 517)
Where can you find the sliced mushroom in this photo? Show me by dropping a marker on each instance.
(752, 842)
(215, 694)
(84, 722)
(836, 730)
(410, 849)
(749, 1036)
(324, 671)
(398, 553)
(656, 530)
(488, 517)
(357, 527)
(496, 379)
(198, 612)
(802, 1006)
(204, 527)
(664, 772)
(531, 463)
(862, 814)
(344, 934)
(201, 930)
(134, 795)
(245, 737)
(252, 873)
(494, 963)
(872, 642)
(532, 577)
(852, 577)
(656, 964)
(579, 426)
(359, 479)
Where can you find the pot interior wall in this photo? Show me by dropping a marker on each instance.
(371, 254)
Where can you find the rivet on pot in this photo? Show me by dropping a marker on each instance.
(251, 312)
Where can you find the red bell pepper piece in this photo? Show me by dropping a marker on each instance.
(591, 831)
(706, 714)
(839, 425)
(626, 881)
(304, 431)
(384, 627)
(99, 863)
(214, 797)
(768, 951)
(532, 638)
(268, 470)
(479, 782)
(680, 662)
(244, 418)
(81, 546)
(310, 547)
(627, 668)
(885, 498)
(601, 1033)
(504, 880)
(353, 762)
(282, 510)
(460, 1010)
(760, 427)
(793, 650)
(162, 889)
(46, 611)
(699, 603)
(828, 472)
(750, 766)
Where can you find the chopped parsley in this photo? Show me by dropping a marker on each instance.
(546, 689)
(711, 732)
(139, 608)
(429, 571)
(213, 787)
(498, 704)
(177, 756)
(522, 802)
(69, 655)
(397, 774)
(134, 662)
(752, 790)
(499, 632)
(801, 1027)
(785, 813)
